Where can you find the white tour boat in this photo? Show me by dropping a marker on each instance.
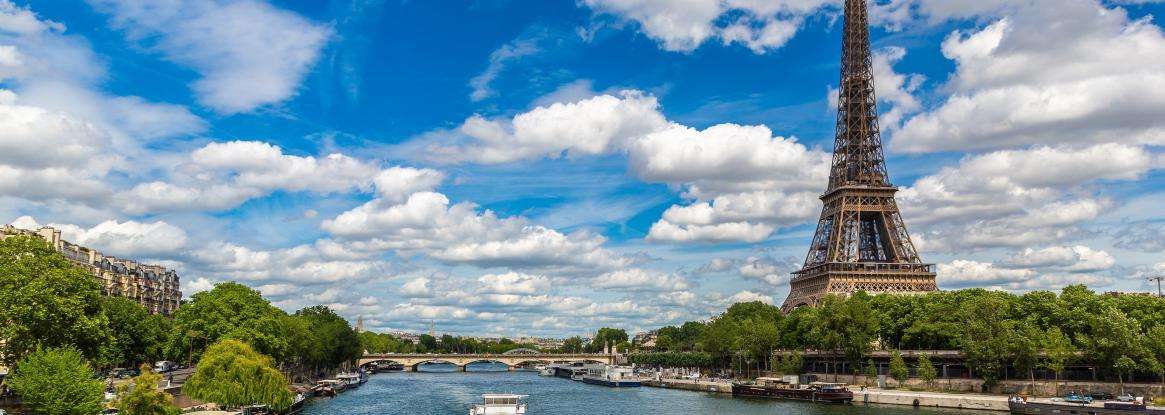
(613, 376)
(500, 404)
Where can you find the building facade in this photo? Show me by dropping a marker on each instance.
(153, 286)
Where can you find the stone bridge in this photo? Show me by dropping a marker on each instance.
(411, 361)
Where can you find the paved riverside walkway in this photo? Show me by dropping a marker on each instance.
(932, 399)
(868, 396)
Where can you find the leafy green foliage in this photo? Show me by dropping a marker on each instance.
(385, 343)
(994, 329)
(57, 381)
(573, 345)
(1156, 346)
(986, 334)
(232, 373)
(1058, 351)
(790, 364)
(138, 336)
(144, 398)
(47, 301)
(672, 359)
(683, 338)
(926, 370)
(1124, 366)
(333, 340)
(605, 337)
(233, 311)
(898, 369)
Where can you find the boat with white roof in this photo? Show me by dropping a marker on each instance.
(500, 404)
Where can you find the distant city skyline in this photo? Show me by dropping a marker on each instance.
(546, 168)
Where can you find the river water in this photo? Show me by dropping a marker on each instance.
(441, 391)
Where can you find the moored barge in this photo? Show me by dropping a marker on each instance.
(776, 388)
(1021, 406)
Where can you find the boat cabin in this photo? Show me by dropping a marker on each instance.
(500, 404)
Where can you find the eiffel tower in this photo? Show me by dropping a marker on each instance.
(861, 243)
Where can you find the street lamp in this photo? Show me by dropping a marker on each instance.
(1158, 279)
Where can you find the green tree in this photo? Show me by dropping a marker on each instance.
(672, 359)
(230, 310)
(332, 336)
(871, 372)
(144, 398)
(858, 326)
(986, 333)
(828, 336)
(1112, 335)
(57, 381)
(233, 374)
(572, 345)
(46, 301)
(1058, 351)
(792, 364)
(605, 337)
(427, 343)
(1123, 366)
(1156, 345)
(926, 370)
(898, 369)
(138, 336)
(1026, 348)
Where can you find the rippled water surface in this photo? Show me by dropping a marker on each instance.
(446, 392)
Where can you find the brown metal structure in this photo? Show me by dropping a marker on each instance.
(861, 243)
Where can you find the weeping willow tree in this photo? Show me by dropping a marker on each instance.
(233, 374)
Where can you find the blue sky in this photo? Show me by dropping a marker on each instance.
(549, 167)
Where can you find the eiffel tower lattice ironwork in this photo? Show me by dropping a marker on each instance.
(861, 243)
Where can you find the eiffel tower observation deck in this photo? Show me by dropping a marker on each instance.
(861, 243)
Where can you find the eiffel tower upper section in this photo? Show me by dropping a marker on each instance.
(861, 243)
(857, 152)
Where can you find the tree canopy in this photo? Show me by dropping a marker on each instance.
(233, 311)
(1039, 329)
(333, 340)
(232, 373)
(142, 397)
(137, 336)
(57, 381)
(47, 301)
(606, 336)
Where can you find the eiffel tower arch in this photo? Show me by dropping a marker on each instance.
(861, 243)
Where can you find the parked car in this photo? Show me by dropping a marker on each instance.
(164, 366)
(1102, 396)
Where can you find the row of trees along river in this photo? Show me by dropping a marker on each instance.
(56, 331)
(1118, 335)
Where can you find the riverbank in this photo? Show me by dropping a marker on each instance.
(868, 396)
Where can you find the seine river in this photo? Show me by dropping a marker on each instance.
(445, 392)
